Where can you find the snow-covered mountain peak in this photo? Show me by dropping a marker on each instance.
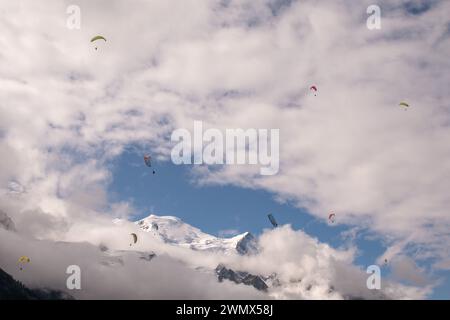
(175, 231)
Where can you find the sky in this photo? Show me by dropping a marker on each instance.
(75, 122)
(231, 210)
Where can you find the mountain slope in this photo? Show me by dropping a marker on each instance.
(11, 289)
(240, 277)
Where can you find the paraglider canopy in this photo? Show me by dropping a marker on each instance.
(404, 104)
(313, 88)
(272, 220)
(148, 161)
(96, 38)
(22, 261)
(135, 238)
(332, 217)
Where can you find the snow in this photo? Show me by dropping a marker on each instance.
(174, 231)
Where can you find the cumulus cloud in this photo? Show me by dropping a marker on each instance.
(66, 110)
(405, 269)
(296, 265)
(124, 275)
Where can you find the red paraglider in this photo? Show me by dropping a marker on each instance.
(148, 161)
(314, 88)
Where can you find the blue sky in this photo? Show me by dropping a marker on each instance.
(212, 209)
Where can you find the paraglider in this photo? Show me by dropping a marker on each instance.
(314, 88)
(96, 38)
(331, 217)
(23, 260)
(404, 105)
(272, 220)
(148, 162)
(135, 238)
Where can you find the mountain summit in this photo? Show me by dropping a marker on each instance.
(173, 230)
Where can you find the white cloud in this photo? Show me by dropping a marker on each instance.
(106, 276)
(405, 269)
(111, 269)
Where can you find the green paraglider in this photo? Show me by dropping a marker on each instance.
(135, 238)
(404, 104)
(96, 38)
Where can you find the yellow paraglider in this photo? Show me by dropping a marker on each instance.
(23, 260)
